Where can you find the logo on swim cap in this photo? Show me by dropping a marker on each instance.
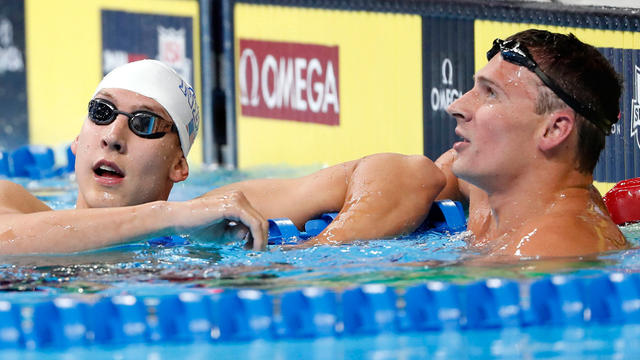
(160, 82)
(192, 125)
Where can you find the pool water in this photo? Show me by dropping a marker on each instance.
(396, 262)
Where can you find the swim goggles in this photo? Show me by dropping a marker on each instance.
(142, 123)
(516, 53)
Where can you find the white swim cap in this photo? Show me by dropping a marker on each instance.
(158, 81)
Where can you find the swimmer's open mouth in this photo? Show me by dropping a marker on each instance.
(462, 138)
(107, 169)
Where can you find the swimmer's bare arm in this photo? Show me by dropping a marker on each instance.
(29, 226)
(377, 196)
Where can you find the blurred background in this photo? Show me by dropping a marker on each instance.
(295, 82)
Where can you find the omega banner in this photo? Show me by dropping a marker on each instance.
(289, 81)
(447, 75)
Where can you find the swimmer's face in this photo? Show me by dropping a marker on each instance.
(115, 167)
(497, 124)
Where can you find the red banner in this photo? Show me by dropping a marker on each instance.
(289, 81)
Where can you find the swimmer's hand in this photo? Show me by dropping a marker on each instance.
(228, 215)
(224, 231)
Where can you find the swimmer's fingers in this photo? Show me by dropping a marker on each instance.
(237, 231)
(259, 231)
(241, 210)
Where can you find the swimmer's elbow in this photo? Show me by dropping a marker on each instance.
(8, 189)
(428, 176)
(417, 175)
(6, 185)
(439, 179)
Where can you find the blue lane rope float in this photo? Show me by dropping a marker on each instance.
(282, 231)
(4, 163)
(444, 216)
(218, 315)
(34, 162)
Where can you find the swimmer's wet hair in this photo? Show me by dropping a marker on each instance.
(583, 72)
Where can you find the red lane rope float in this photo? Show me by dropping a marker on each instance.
(623, 201)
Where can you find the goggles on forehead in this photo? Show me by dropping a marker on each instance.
(142, 123)
(516, 53)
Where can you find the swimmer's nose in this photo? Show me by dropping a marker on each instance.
(460, 108)
(115, 137)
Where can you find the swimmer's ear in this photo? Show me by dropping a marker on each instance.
(557, 128)
(74, 145)
(179, 170)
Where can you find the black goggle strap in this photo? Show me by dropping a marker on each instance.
(515, 53)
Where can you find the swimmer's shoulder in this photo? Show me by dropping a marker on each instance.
(569, 232)
(14, 198)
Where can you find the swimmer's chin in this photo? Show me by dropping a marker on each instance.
(107, 200)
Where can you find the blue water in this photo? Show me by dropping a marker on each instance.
(141, 268)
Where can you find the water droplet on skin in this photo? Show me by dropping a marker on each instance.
(525, 239)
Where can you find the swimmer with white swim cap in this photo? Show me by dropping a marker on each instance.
(142, 120)
(158, 111)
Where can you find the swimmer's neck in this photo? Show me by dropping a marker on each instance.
(80, 202)
(532, 195)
